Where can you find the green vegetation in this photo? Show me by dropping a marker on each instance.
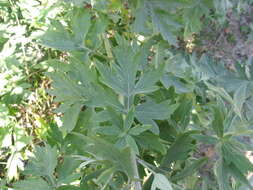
(126, 94)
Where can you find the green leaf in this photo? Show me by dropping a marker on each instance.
(146, 84)
(178, 150)
(222, 175)
(169, 80)
(220, 91)
(109, 130)
(80, 24)
(70, 117)
(217, 123)
(30, 184)
(232, 154)
(66, 89)
(78, 85)
(43, 163)
(98, 27)
(129, 119)
(141, 23)
(161, 182)
(121, 77)
(163, 20)
(149, 141)
(54, 135)
(240, 98)
(92, 176)
(59, 38)
(68, 187)
(87, 120)
(188, 171)
(182, 114)
(102, 97)
(115, 117)
(66, 170)
(137, 130)
(132, 144)
(205, 139)
(81, 72)
(239, 175)
(105, 176)
(100, 149)
(192, 17)
(149, 111)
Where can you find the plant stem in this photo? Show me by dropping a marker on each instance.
(107, 47)
(136, 184)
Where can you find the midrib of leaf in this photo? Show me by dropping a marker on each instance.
(128, 89)
(137, 184)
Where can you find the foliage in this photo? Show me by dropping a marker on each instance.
(137, 109)
(22, 93)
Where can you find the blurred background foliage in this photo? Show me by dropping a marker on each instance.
(26, 109)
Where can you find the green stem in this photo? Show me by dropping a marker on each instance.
(136, 184)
